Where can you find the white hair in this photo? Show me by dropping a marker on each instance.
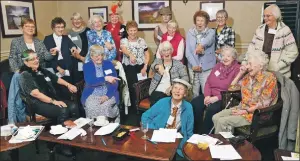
(172, 23)
(76, 15)
(96, 50)
(232, 50)
(92, 19)
(259, 57)
(275, 11)
(165, 46)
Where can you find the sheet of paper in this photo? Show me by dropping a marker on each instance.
(164, 135)
(179, 136)
(36, 129)
(50, 70)
(288, 158)
(295, 155)
(224, 152)
(59, 75)
(81, 122)
(71, 134)
(67, 73)
(60, 57)
(196, 138)
(226, 135)
(141, 77)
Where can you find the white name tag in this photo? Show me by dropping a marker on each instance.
(170, 120)
(217, 73)
(74, 38)
(272, 31)
(109, 71)
(80, 66)
(67, 73)
(47, 79)
(122, 30)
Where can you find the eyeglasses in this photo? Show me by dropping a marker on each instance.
(33, 58)
(221, 18)
(267, 16)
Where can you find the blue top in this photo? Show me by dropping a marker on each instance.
(93, 39)
(158, 115)
(207, 40)
(94, 80)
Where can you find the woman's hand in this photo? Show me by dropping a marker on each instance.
(111, 79)
(160, 69)
(199, 49)
(61, 71)
(243, 69)
(72, 88)
(103, 99)
(168, 91)
(207, 100)
(69, 123)
(144, 71)
(197, 69)
(213, 99)
(53, 51)
(132, 59)
(108, 45)
(238, 112)
(59, 103)
(218, 51)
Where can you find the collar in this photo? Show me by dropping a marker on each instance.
(199, 32)
(178, 105)
(259, 77)
(56, 37)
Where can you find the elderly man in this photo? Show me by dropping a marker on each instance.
(173, 112)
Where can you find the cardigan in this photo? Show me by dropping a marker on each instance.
(177, 70)
(157, 117)
(284, 49)
(91, 81)
(18, 46)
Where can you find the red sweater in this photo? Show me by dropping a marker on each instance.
(174, 41)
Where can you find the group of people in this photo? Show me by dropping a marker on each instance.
(46, 71)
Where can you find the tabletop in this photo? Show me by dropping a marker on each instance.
(5, 145)
(279, 153)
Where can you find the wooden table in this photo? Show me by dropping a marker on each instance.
(133, 146)
(247, 151)
(278, 153)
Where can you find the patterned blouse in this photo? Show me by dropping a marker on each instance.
(225, 37)
(137, 48)
(94, 38)
(260, 92)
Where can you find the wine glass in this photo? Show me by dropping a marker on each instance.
(91, 123)
(144, 128)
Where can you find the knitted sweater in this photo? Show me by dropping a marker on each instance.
(284, 49)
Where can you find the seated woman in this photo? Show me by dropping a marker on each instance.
(165, 71)
(218, 80)
(258, 88)
(100, 95)
(38, 84)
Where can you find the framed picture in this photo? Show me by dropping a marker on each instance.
(12, 13)
(212, 8)
(145, 13)
(101, 11)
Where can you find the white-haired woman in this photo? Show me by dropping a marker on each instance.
(175, 39)
(258, 88)
(98, 36)
(100, 95)
(218, 80)
(276, 40)
(225, 35)
(166, 16)
(78, 35)
(165, 71)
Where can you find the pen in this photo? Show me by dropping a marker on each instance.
(103, 142)
(153, 142)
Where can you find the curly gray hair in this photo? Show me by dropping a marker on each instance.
(260, 57)
(232, 50)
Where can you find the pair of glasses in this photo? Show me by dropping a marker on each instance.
(267, 16)
(33, 58)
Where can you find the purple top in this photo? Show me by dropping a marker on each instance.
(220, 78)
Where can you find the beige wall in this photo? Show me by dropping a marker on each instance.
(244, 16)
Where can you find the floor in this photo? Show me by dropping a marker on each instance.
(28, 153)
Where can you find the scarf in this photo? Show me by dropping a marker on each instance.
(226, 70)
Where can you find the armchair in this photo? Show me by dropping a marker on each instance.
(142, 95)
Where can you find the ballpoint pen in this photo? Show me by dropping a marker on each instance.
(103, 141)
(153, 142)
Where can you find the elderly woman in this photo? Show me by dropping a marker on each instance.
(37, 84)
(78, 35)
(200, 51)
(98, 36)
(166, 16)
(165, 70)
(225, 35)
(218, 80)
(100, 95)
(276, 40)
(135, 56)
(16, 110)
(258, 88)
(116, 28)
(175, 39)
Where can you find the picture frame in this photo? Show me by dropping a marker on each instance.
(12, 13)
(212, 7)
(145, 13)
(101, 10)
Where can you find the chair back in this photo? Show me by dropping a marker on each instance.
(142, 90)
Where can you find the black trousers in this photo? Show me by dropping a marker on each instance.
(204, 126)
(156, 96)
(61, 114)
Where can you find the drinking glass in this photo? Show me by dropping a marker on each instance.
(91, 123)
(144, 128)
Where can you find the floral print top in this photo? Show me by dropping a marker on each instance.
(259, 92)
(137, 48)
(94, 38)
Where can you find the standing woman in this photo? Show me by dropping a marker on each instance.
(225, 35)
(166, 16)
(117, 29)
(135, 56)
(98, 36)
(78, 35)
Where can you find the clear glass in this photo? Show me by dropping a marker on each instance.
(91, 123)
(144, 128)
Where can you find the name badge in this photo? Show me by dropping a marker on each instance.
(170, 120)
(272, 31)
(109, 71)
(74, 38)
(217, 73)
(67, 73)
(80, 66)
(122, 30)
(47, 79)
